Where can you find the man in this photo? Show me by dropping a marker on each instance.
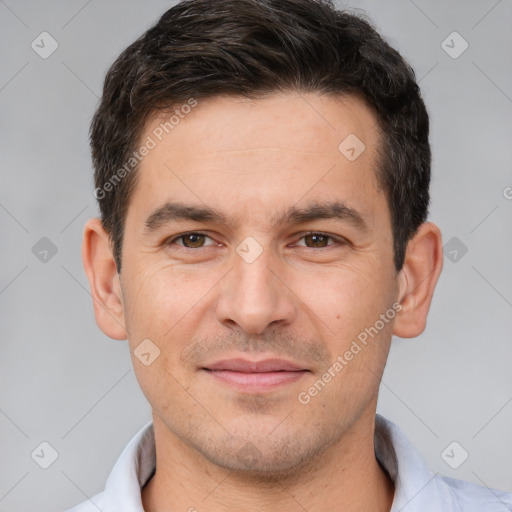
(262, 169)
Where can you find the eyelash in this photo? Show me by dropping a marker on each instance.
(338, 241)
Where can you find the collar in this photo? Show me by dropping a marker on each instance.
(415, 486)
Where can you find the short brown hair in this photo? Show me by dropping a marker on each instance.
(251, 48)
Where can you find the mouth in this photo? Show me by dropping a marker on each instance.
(255, 376)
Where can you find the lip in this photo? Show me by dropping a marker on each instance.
(247, 366)
(255, 376)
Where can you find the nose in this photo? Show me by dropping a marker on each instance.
(255, 295)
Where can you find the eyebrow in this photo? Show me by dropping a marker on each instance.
(176, 211)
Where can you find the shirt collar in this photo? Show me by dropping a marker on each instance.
(395, 453)
(415, 485)
(131, 472)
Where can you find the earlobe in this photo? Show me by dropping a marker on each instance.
(417, 280)
(100, 267)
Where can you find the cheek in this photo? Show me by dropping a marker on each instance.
(160, 307)
(166, 305)
(158, 298)
(346, 298)
(349, 306)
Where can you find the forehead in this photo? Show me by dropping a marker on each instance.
(259, 155)
(292, 119)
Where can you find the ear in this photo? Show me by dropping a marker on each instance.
(100, 267)
(417, 280)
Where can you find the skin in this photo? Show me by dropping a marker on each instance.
(251, 159)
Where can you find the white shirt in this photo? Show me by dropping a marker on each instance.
(416, 488)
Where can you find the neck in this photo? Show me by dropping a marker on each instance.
(346, 476)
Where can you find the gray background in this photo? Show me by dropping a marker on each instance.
(66, 383)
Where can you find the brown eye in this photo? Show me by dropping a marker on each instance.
(192, 240)
(317, 240)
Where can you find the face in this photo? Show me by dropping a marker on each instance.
(291, 259)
